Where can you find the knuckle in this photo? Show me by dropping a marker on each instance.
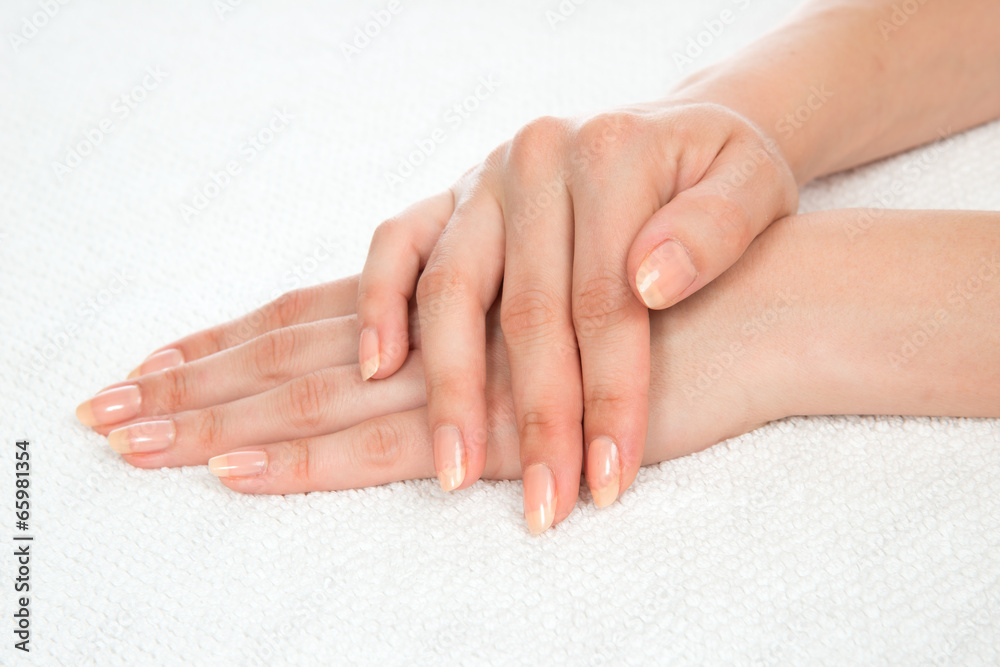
(543, 426)
(306, 398)
(600, 302)
(731, 220)
(493, 163)
(217, 338)
(175, 391)
(209, 430)
(381, 444)
(611, 397)
(270, 353)
(536, 146)
(599, 139)
(295, 461)
(529, 314)
(681, 129)
(387, 232)
(440, 284)
(285, 310)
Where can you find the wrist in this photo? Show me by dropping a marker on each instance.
(786, 113)
(731, 357)
(814, 86)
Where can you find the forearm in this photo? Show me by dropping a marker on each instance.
(899, 320)
(844, 82)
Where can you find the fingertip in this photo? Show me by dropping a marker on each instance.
(369, 354)
(664, 275)
(85, 415)
(539, 497)
(239, 464)
(603, 470)
(449, 457)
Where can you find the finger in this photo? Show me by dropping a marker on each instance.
(612, 329)
(379, 451)
(251, 368)
(297, 307)
(324, 401)
(399, 249)
(456, 289)
(703, 230)
(537, 326)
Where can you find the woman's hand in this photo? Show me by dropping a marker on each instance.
(275, 403)
(812, 320)
(586, 223)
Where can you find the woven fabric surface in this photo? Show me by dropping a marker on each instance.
(842, 540)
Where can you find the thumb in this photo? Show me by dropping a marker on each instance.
(706, 228)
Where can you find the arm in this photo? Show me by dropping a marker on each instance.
(588, 222)
(816, 320)
(809, 321)
(844, 82)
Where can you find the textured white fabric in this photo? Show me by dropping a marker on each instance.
(835, 540)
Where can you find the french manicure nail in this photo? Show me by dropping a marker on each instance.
(110, 406)
(143, 437)
(664, 274)
(368, 353)
(238, 464)
(449, 457)
(603, 470)
(539, 497)
(160, 361)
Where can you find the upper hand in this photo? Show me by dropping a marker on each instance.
(586, 223)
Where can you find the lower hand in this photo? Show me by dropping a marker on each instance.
(587, 223)
(274, 401)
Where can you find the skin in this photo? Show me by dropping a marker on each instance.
(815, 318)
(572, 214)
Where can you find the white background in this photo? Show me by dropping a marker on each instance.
(842, 540)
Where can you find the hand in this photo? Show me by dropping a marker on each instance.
(586, 223)
(274, 403)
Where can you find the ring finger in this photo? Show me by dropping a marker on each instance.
(324, 401)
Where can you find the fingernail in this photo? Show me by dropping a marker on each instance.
(110, 406)
(238, 464)
(142, 437)
(449, 457)
(368, 353)
(603, 470)
(664, 274)
(160, 361)
(539, 497)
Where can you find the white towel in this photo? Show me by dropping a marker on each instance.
(835, 540)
